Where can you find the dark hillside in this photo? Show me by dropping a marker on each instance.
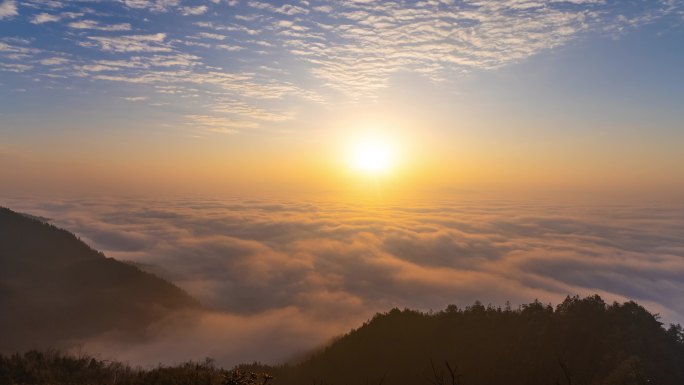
(54, 368)
(55, 288)
(581, 341)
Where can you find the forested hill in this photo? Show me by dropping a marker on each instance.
(581, 341)
(55, 288)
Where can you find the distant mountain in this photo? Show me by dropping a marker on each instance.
(581, 341)
(54, 288)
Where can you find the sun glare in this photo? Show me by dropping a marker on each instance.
(373, 155)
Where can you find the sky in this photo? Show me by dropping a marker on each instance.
(246, 97)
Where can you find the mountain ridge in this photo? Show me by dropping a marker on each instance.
(581, 341)
(55, 289)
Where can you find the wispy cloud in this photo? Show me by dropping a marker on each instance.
(152, 5)
(213, 36)
(44, 18)
(219, 124)
(131, 43)
(13, 67)
(92, 24)
(362, 43)
(136, 98)
(194, 11)
(8, 9)
(319, 52)
(52, 61)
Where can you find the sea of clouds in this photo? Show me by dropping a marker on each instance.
(283, 277)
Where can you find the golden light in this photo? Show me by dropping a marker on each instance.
(373, 155)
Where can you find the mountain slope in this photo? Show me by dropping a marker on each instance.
(581, 341)
(55, 288)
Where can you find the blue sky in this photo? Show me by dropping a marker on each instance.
(251, 61)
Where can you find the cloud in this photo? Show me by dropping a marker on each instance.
(8, 9)
(152, 5)
(326, 267)
(194, 11)
(71, 15)
(131, 43)
(219, 124)
(366, 41)
(213, 36)
(43, 4)
(92, 24)
(230, 48)
(272, 336)
(136, 98)
(275, 58)
(17, 68)
(17, 49)
(53, 61)
(44, 18)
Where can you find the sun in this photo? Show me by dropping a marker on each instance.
(373, 155)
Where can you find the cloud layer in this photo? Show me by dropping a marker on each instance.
(301, 272)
